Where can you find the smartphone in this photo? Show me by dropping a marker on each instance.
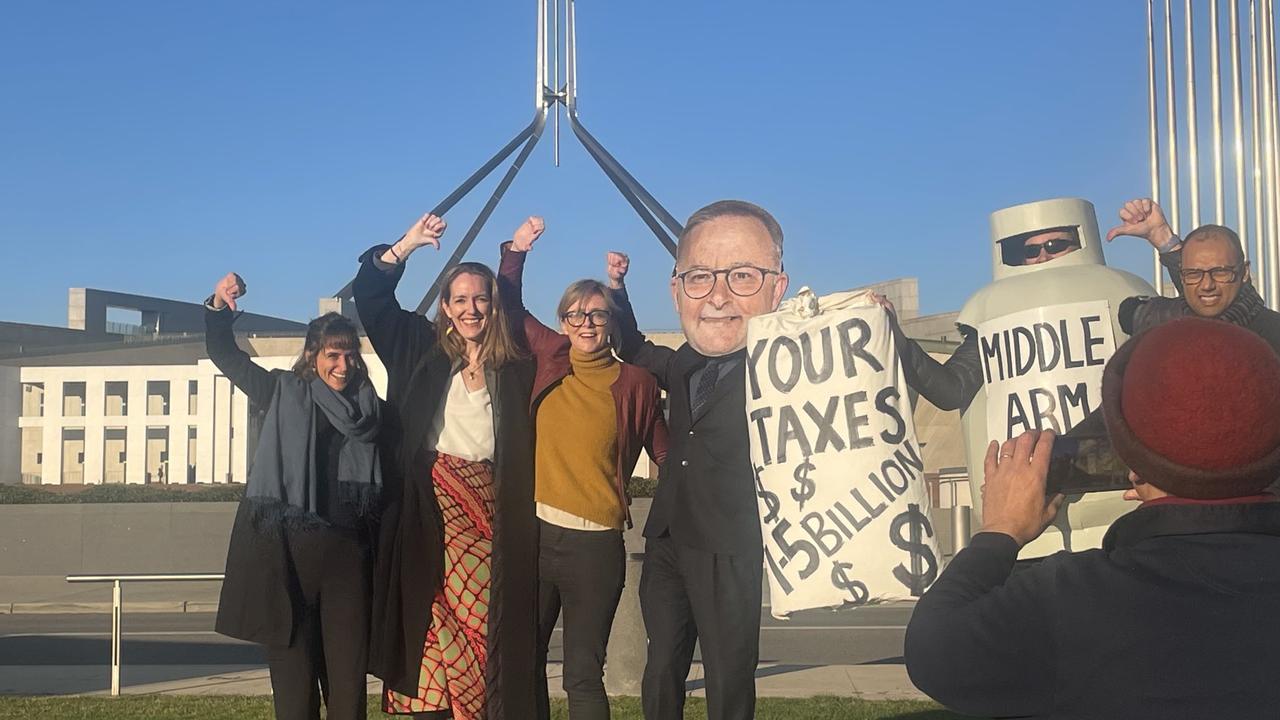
(1083, 464)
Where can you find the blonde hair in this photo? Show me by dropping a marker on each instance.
(579, 292)
(498, 347)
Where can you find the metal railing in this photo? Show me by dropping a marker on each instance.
(117, 606)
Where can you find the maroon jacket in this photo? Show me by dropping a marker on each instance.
(636, 395)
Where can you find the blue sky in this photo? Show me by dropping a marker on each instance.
(150, 147)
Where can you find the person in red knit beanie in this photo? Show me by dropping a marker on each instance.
(1194, 410)
(1174, 617)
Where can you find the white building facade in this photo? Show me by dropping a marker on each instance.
(176, 423)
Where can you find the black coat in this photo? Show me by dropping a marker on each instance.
(1143, 313)
(706, 497)
(261, 599)
(1175, 617)
(409, 568)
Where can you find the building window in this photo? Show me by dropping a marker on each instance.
(191, 454)
(73, 399)
(32, 455)
(32, 399)
(157, 397)
(193, 396)
(115, 455)
(157, 470)
(73, 455)
(117, 398)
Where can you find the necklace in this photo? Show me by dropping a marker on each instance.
(473, 370)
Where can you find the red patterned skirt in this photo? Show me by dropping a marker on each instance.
(453, 656)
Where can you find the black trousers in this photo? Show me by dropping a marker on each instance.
(330, 648)
(689, 595)
(581, 572)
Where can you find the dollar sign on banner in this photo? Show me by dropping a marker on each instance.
(807, 486)
(840, 578)
(771, 501)
(917, 525)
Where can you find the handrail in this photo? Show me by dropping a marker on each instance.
(117, 605)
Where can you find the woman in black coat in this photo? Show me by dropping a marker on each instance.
(455, 590)
(300, 559)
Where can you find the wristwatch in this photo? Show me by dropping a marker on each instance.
(1170, 245)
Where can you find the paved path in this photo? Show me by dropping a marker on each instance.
(848, 653)
(873, 682)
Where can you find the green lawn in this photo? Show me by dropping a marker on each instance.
(165, 707)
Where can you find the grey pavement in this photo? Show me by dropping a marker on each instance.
(872, 682)
(852, 653)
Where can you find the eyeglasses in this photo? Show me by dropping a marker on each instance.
(577, 318)
(1227, 274)
(743, 280)
(1053, 247)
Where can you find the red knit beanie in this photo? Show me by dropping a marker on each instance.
(1193, 407)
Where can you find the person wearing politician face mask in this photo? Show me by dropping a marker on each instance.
(703, 553)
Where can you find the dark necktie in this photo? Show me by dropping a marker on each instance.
(706, 385)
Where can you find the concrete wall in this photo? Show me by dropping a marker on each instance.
(114, 538)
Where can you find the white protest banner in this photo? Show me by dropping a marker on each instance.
(1043, 367)
(839, 476)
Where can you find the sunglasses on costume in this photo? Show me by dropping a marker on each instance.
(1053, 247)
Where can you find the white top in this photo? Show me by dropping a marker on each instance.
(463, 426)
(560, 518)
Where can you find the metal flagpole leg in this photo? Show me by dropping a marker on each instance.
(467, 185)
(474, 230)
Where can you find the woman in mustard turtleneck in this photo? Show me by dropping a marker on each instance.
(593, 415)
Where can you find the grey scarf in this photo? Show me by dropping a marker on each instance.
(284, 466)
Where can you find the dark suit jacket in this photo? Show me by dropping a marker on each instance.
(706, 490)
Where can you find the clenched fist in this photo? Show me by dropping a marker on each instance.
(529, 231)
(228, 290)
(616, 266)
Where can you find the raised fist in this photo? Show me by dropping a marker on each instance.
(616, 266)
(529, 231)
(228, 290)
(426, 231)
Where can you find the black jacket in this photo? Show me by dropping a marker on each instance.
(1175, 617)
(409, 567)
(706, 488)
(1142, 313)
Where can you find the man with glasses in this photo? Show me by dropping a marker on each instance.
(703, 555)
(1209, 268)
